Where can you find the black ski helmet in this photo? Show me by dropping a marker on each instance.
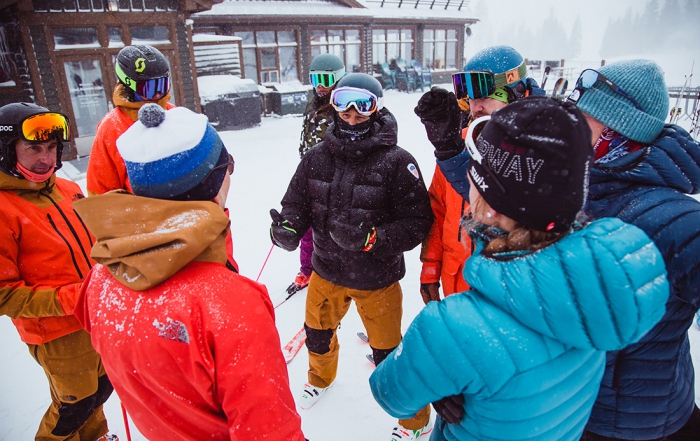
(11, 116)
(366, 82)
(140, 63)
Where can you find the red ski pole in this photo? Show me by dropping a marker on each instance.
(265, 262)
(126, 423)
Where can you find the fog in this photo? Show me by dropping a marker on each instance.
(666, 31)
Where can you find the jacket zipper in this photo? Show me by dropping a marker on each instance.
(73, 232)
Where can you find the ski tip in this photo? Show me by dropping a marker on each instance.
(363, 337)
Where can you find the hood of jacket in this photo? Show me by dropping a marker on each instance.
(672, 161)
(144, 241)
(601, 287)
(383, 134)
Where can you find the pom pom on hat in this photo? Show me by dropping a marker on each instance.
(169, 154)
(644, 81)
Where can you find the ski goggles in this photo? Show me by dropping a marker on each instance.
(474, 152)
(588, 78)
(473, 84)
(153, 89)
(326, 79)
(364, 101)
(43, 127)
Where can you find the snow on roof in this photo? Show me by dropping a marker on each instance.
(204, 38)
(316, 8)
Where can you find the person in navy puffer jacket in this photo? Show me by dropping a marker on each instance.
(521, 355)
(643, 170)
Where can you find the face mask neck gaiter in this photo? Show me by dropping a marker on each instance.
(356, 132)
(34, 177)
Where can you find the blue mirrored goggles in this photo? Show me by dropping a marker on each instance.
(586, 81)
(474, 84)
(364, 101)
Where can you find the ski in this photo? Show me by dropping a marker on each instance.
(291, 349)
(370, 357)
(363, 337)
(688, 80)
(545, 76)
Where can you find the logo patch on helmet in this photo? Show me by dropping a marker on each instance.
(140, 64)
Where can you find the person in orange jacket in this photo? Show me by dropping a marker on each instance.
(446, 249)
(190, 345)
(143, 75)
(44, 256)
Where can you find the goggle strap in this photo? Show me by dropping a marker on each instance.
(517, 74)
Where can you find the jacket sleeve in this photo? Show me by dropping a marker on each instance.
(106, 170)
(428, 364)
(251, 380)
(296, 204)
(455, 171)
(432, 247)
(19, 300)
(410, 213)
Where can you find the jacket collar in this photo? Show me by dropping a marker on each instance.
(383, 134)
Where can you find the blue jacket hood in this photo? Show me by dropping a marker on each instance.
(592, 264)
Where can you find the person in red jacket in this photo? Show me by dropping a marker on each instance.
(190, 345)
(44, 256)
(143, 75)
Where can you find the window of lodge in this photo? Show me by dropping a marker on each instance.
(345, 43)
(440, 49)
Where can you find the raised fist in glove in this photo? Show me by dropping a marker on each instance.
(439, 112)
(450, 408)
(282, 232)
(352, 238)
(430, 291)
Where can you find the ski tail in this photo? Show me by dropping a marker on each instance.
(291, 349)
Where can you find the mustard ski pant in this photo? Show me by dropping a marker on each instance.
(79, 388)
(380, 311)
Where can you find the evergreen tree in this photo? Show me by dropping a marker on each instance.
(574, 43)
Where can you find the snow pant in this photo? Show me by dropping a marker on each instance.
(380, 311)
(689, 432)
(306, 249)
(79, 388)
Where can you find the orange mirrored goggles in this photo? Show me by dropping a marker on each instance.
(45, 126)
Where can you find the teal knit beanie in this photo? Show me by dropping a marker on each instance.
(644, 81)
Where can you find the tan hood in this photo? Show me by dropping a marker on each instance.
(144, 241)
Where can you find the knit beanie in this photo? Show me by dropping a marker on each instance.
(170, 155)
(644, 81)
(539, 150)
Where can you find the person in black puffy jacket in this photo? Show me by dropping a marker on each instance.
(367, 203)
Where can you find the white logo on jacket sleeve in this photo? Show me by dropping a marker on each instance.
(414, 170)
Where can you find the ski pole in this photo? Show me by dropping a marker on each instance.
(126, 422)
(265, 262)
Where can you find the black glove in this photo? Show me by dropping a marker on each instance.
(430, 291)
(450, 408)
(439, 112)
(282, 233)
(352, 238)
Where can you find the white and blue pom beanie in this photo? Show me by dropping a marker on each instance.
(644, 81)
(169, 154)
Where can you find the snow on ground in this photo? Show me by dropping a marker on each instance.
(266, 157)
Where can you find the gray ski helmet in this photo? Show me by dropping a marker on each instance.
(11, 116)
(366, 82)
(326, 63)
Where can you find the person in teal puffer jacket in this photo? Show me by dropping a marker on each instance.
(521, 355)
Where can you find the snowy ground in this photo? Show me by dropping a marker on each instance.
(266, 158)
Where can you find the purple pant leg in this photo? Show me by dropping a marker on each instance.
(306, 248)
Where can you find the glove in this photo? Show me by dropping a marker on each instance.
(352, 238)
(439, 112)
(450, 408)
(282, 233)
(430, 291)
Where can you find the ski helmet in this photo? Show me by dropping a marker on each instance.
(144, 71)
(505, 63)
(12, 117)
(366, 82)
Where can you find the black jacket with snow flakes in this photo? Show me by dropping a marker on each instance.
(370, 181)
(317, 117)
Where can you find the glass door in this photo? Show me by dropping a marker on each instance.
(87, 94)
